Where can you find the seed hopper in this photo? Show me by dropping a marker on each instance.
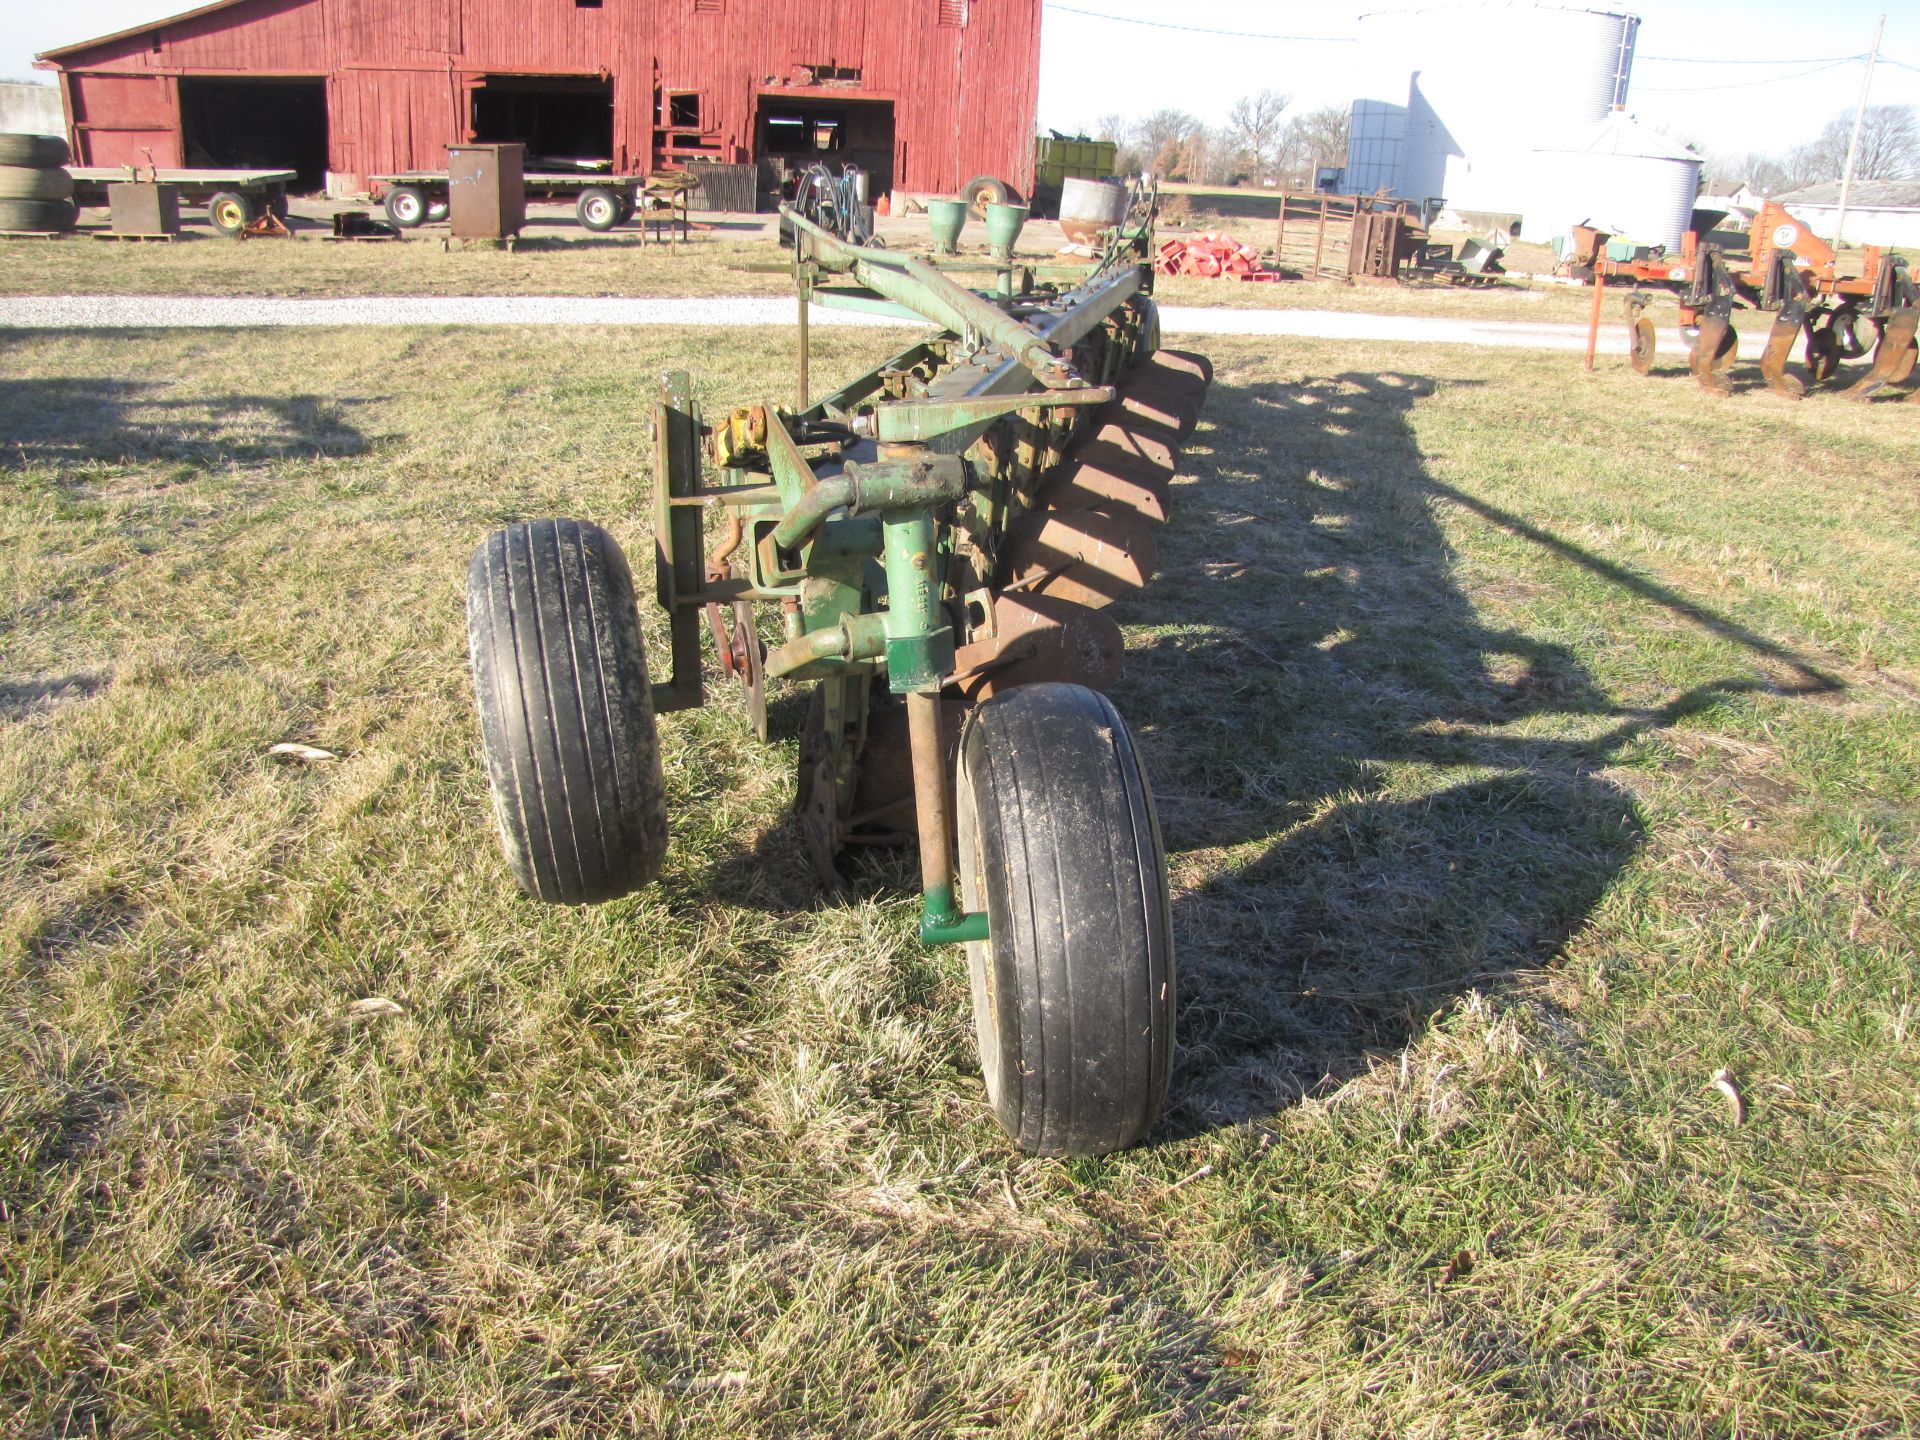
(931, 549)
(1794, 275)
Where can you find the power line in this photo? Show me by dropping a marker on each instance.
(1203, 30)
(1784, 60)
(1748, 84)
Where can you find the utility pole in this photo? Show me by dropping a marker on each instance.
(1853, 145)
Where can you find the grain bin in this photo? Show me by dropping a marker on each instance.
(1493, 80)
(1620, 177)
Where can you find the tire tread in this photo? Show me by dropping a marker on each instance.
(566, 711)
(1078, 903)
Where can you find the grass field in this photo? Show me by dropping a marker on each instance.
(1529, 745)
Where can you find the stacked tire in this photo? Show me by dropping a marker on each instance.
(36, 192)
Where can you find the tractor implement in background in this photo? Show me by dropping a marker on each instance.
(931, 548)
(1788, 273)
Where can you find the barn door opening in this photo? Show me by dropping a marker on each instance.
(565, 121)
(256, 125)
(791, 134)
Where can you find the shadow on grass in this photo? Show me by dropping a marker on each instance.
(1306, 635)
(98, 419)
(1305, 644)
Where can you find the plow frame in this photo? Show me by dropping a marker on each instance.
(873, 517)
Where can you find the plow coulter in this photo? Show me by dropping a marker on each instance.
(931, 548)
(1791, 275)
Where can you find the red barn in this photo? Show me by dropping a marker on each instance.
(924, 94)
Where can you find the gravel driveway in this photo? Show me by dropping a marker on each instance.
(137, 312)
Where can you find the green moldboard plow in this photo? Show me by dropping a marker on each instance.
(931, 548)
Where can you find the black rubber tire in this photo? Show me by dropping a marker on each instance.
(984, 190)
(407, 206)
(437, 209)
(41, 216)
(230, 212)
(1074, 992)
(566, 711)
(38, 152)
(598, 209)
(22, 182)
(629, 207)
(277, 205)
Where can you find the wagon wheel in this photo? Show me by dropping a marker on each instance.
(230, 212)
(985, 190)
(598, 209)
(407, 206)
(1073, 990)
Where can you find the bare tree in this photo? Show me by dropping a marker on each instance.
(1726, 173)
(1889, 147)
(1253, 130)
(1309, 141)
(1889, 143)
(1167, 141)
(1121, 130)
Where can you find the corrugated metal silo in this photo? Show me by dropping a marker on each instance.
(1491, 81)
(1376, 129)
(1619, 177)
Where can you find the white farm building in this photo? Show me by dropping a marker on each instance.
(1879, 212)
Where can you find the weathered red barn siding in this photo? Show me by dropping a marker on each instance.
(398, 72)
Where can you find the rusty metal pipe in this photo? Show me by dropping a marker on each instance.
(942, 921)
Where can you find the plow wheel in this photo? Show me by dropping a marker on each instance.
(1073, 990)
(1773, 360)
(1712, 354)
(1640, 344)
(566, 711)
(741, 654)
(1847, 325)
(1893, 360)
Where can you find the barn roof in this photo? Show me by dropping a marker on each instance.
(1865, 195)
(65, 50)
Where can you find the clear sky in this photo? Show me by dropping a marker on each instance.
(1091, 66)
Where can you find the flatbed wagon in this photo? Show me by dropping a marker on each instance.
(601, 201)
(234, 198)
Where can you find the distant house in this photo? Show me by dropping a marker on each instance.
(1879, 212)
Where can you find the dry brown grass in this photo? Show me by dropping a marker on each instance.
(1527, 752)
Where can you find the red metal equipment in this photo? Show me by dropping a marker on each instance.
(1212, 255)
(1786, 270)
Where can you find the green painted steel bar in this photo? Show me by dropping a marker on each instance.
(934, 296)
(919, 643)
(943, 922)
(883, 486)
(863, 304)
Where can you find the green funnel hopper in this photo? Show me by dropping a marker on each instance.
(948, 218)
(1003, 227)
